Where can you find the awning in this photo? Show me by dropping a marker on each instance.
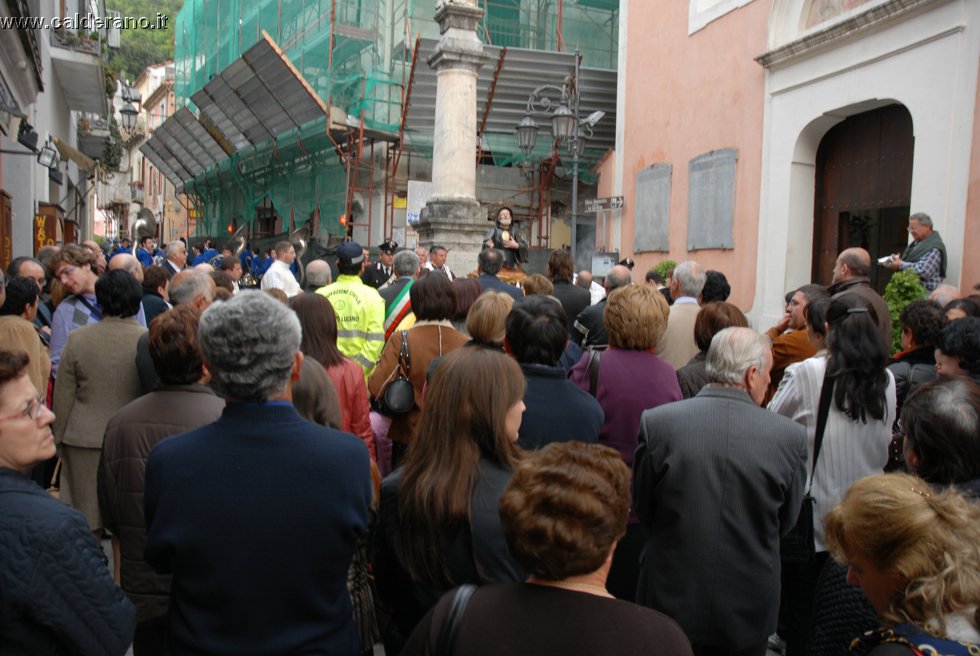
(253, 100)
(521, 72)
(258, 97)
(83, 161)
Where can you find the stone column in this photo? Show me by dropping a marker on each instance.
(452, 217)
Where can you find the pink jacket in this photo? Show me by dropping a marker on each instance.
(348, 378)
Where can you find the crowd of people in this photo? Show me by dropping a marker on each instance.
(400, 455)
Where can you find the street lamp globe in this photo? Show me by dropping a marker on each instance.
(563, 124)
(128, 114)
(527, 134)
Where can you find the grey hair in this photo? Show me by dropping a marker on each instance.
(249, 343)
(406, 263)
(316, 276)
(734, 351)
(191, 284)
(131, 263)
(618, 276)
(690, 277)
(172, 248)
(922, 218)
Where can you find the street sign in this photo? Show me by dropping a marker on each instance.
(610, 203)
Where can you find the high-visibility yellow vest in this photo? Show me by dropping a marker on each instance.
(360, 314)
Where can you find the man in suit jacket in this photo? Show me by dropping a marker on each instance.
(851, 276)
(717, 481)
(176, 258)
(677, 345)
(261, 510)
(561, 271)
(398, 304)
(589, 327)
(490, 261)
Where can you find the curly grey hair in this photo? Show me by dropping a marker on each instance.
(249, 343)
(733, 351)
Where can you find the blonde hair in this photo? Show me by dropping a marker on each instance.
(930, 540)
(635, 317)
(538, 284)
(486, 321)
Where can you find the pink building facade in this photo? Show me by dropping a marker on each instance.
(760, 137)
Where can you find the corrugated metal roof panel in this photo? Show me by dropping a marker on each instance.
(523, 71)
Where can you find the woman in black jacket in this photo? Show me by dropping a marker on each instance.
(58, 595)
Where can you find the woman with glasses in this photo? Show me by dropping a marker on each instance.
(58, 593)
(75, 269)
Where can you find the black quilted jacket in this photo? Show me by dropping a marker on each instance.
(56, 591)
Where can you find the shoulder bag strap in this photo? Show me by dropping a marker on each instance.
(403, 360)
(595, 359)
(826, 393)
(95, 312)
(450, 627)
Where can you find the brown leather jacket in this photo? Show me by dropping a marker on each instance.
(427, 340)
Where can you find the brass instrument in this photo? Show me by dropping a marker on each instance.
(247, 279)
(298, 238)
(144, 225)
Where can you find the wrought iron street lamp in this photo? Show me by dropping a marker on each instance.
(128, 114)
(566, 128)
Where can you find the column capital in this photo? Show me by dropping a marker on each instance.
(454, 15)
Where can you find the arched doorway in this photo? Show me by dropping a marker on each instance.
(863, 189)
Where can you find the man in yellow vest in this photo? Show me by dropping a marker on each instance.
(360, 309)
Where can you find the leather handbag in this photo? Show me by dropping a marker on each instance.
(398, 396)
(797, 546)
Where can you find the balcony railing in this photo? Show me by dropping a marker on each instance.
(93, 124)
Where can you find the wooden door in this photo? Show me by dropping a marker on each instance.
(863, 189)
(6, 231)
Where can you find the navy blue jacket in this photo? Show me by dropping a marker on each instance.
(557, 410)
(496, 284)
(257, 516)
(56, 590)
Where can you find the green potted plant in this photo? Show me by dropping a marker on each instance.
(903, 288)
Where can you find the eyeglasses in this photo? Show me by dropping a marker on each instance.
(67, 271)
(32, 411)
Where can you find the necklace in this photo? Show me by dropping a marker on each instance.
(598, 590)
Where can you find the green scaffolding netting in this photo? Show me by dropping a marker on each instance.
(356, 55)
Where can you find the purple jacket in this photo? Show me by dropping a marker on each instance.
(629, 383)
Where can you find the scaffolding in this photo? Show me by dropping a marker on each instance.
(360, 58)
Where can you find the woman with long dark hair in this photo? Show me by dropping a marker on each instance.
(439, 524)
(856, 436)
(319, 323)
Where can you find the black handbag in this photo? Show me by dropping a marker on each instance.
(398, 396)
(797, 546)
